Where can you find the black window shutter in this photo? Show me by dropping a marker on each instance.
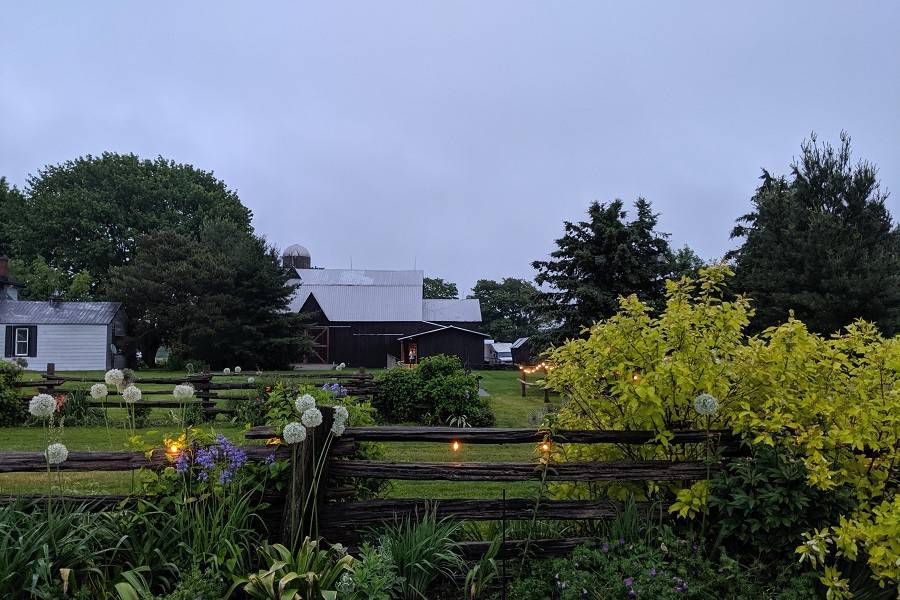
(32, 340)
(8, 349)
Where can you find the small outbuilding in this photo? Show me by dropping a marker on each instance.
(73, 336)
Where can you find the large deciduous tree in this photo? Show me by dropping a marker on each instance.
(508, 307)
(87, 214)
(220, 299)
(821, 243)
(435, 288)
(599, 260)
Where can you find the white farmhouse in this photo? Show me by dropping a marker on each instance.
(73, 336)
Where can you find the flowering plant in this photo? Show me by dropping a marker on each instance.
(218, 462)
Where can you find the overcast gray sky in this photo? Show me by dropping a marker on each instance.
(454, 135)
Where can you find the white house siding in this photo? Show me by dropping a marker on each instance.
(70, 347)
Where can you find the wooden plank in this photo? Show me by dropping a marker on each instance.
(647, 470)
(486, 435)
(357, 514)
(30, 462)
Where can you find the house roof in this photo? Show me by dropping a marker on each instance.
(440, 329)
(361, 295)
(25, 312)
(502, 347)
(463, 311)
(519, 342)
(346, 295)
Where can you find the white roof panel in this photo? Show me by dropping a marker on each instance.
(465, 311)
(362, 295)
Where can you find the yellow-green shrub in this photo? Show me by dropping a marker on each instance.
(833, 401)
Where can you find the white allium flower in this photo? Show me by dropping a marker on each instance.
(114, 377)
(131, 394)
(340, 414)
(304, 403)
(237, 370)
(99, 391)
(340, 367)
(337, 428)
(183, 391)
(251, 380)
(293, 433)
(706, 404)
(312, 417)
(57, 453)
(42, 406)
(226, 371)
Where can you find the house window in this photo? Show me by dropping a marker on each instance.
(21, 348)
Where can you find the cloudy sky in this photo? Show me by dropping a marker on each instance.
(454, 135)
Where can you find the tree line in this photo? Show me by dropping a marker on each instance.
(170, 241)
(819, 243)
(177, 247)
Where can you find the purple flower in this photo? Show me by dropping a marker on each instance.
(652, 572)
(219, 461)
(631, 593)
(270, 459)
(605, 547)
(629, 581)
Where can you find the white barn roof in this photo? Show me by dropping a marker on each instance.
(347, 295)
(466, 311)
(362, 295)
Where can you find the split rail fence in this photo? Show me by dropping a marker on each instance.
(341, 518)
(210, 391)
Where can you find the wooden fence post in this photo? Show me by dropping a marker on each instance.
(203, 388)
(309, 466)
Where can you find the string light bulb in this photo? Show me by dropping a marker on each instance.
(455, 446)
(546, 446)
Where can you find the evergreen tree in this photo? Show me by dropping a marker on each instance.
(599, 260)
(820, 243)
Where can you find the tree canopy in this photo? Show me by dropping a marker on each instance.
(508, 307)
(87, 214)
(821, 243)
(219, 299)
(436, 288)
(600, 259)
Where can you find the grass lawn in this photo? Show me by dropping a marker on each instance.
(511, 409)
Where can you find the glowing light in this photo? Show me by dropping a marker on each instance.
(455, 446)
(546, 446)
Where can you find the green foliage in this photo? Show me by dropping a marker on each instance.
(397, 394)
(833, 403)
(435, 288)
(76, 409)
(434, 392)
(763, 504)
(424, 551)
(599, 260)
(508, 308)
(12, 410)
(662, 570)
(312, 573)
(112, 201)
(43, 282)
(218, 296)
(374, 575)
(821, 243)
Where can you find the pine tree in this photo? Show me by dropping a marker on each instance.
(820, 243)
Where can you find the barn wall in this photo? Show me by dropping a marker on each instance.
(367, 344)
(469, 347)
(70, 348)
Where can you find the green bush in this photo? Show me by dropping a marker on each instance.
(12, 410)
(397, 394)
(763, 504)
(662, 571)
(432, 393)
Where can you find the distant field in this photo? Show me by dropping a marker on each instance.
(510, 408)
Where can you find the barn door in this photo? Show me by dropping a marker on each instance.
(319, 338)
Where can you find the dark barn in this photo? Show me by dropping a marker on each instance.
(374, 318)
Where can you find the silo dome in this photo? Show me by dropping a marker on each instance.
(296, 256)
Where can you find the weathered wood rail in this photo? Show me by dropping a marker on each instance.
(206, 389)
(341, 517)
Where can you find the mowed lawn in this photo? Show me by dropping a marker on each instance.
(511, 409)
